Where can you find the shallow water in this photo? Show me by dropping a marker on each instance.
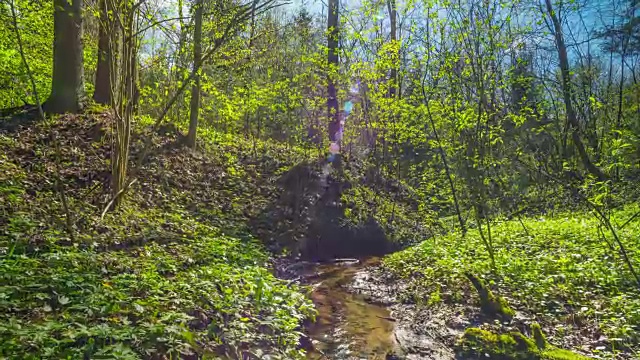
(347, 327)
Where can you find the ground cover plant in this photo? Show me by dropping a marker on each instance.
(154, 279)
(164, 165)
(560, 270)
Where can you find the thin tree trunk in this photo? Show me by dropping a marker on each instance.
(67, 86)
(487, 243)
(393, 17)
(332, 100)
(195, 89)
(443, 157)
(102, 92)
(124, 98)
(620, 100)
(32, 80)
(179, 56)
(566, 90)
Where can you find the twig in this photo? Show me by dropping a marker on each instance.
(630, 220)
(386, 318)
(65, 206)
(14, 18)
(113, 200)
(523, 225)
(91, 190)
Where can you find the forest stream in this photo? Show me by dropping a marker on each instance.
(347, 326)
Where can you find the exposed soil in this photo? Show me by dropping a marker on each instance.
(430, 331)
(359, 316)
(418, 333)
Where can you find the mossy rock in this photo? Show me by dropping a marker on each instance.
(477, 344)
(489, 303)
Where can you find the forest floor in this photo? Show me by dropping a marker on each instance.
(185, 267)
(173, 272)
(559, 271)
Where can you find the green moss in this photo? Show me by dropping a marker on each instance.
(559, 354)
(538, 336)
(503, 308)
(490, 303)
(478, 343)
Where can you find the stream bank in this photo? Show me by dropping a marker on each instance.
(360, 318)
(359, 313)
(418, 333)
(346, 326)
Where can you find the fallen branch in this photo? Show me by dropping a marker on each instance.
(113, 200)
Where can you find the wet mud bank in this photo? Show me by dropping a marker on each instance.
(446, 330)
(418, 333)
(347, 326)
(360, 317)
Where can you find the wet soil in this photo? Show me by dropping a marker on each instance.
(347, 325)
(359, 317)
(419, 332)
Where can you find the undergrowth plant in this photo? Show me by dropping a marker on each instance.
(559, 269)
(156, 278)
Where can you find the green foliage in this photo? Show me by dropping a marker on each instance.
(196, 295)
(35, 23)
(157, 278)
(555, 267)
(479, 344)
(398, 219)
(476, 133)
(395, 205)
(10, 183)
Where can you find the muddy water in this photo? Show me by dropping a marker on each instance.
(347, 327)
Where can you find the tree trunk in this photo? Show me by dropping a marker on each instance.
(123, 102)
(195, 89)
(102, 92)
(332, 99)
(393, 88)
(566, 90)
(620, 101)
(67, 87)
